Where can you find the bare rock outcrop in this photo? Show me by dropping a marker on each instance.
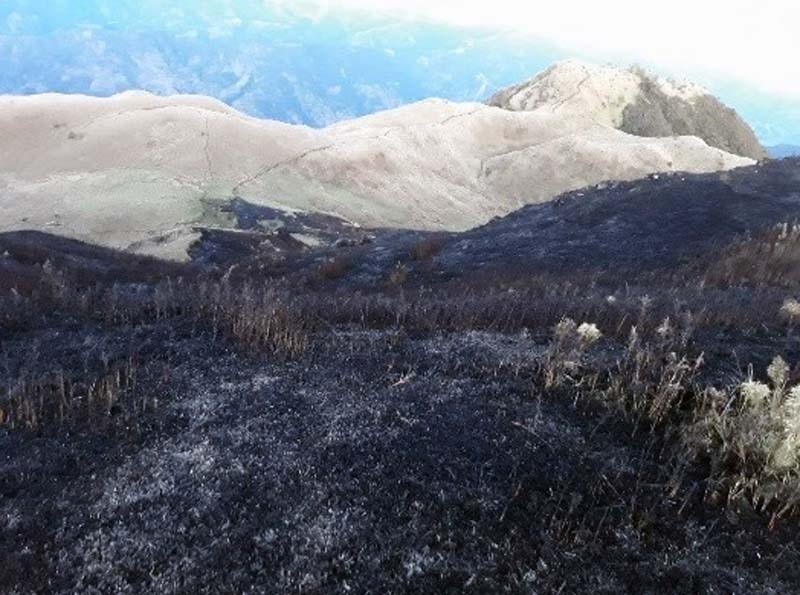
(636, 102)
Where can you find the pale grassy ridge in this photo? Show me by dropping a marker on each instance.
(127, 170)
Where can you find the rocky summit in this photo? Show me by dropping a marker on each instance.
(634, 101)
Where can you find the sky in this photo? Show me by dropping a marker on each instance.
(750, 41)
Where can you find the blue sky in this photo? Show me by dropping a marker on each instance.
(317, 61)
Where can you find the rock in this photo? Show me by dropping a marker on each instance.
(634, 101)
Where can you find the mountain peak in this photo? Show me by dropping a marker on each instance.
(634, 101)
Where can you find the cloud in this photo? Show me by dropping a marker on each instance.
(751, 41)
(13, 22)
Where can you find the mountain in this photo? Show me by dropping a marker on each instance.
(142, 172)
(652, 224)
(659, 224)
(633, 101)
(783, 151)
(650, 230)
(287, 61)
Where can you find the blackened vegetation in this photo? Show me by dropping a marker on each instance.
(630, 228)
(402, 424)
(24, 253)
(266, 237)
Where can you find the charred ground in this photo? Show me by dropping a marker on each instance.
(406, 412)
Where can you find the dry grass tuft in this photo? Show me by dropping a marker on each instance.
(427, 248)
(567, 350)
(57, 399)
(750, 436)
(334, 268)
(768, 259)
(258, 319)
(398, 276)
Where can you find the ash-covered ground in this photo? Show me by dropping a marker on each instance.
(597, 395)
(377, 463)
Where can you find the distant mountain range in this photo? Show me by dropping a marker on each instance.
(782, 151)
(285, 60)
(273, 60)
